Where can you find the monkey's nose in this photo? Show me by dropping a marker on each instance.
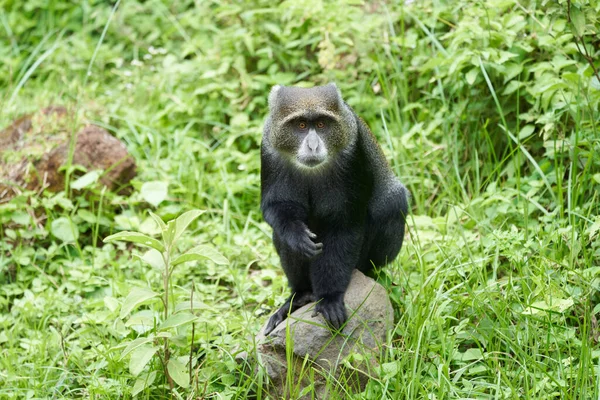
(313, 141)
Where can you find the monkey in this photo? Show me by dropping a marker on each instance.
(329, 195)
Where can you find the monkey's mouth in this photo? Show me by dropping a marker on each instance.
(311, 160)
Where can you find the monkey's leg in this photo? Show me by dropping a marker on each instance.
(385, 229)
(294, 302)
(296, 269)
(331, 272)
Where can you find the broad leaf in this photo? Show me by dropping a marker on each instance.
(169, 232)
(65, 230)
(142, 321)
(199, 253)
(158, 220)
(136, 297)
(153, 258)
(177, 320)
(184, 220)
(134, 344)
(167, 236)
(86, 180)
(471, 76)
(140, 357)
(135, 237)
(186, 306)
(389, 370)
(144, 381)
(526, 131)
(552, 305)
(154, 192)
(178, 372)
(578, 19)
(469, 355)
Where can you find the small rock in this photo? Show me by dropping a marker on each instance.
(370, 318)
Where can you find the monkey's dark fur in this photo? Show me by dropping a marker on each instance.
(330, 196)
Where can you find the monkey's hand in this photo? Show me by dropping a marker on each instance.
(333, 310)
(301, 240)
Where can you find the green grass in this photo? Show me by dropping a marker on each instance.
(488, 112)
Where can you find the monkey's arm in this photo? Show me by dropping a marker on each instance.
(284, 209)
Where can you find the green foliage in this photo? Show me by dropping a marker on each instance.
(171, 330)
(488, 111)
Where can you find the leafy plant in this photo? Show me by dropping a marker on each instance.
(165, 330)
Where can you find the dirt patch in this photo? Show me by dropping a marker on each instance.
(35, 147)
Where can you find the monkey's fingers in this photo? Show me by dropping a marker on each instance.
(311, 249)
(310, 234)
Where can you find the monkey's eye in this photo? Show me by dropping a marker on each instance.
(302, 125)
(320, 124)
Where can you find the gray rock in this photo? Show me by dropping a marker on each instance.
(317, 352)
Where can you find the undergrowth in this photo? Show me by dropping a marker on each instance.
(487, 111)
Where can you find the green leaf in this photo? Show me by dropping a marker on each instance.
(64, 229)
(199, 253)
(136, 297)
(111, 303)
(154, 192)
(511, 87)
(135, 237)
(149, 227)
(184, 220)
(140, 357)
(178, 372)
(552, 305)
(469, 355)
(471, 76)
(578, 19)
(526, 131)
(177, 320)
(186, 306)
(142, 321)
(21, 218)
(389, 370)
(153, 258)
(158, 220)
(134, 344)
(169, 233)
(143, 382)
(86, 180)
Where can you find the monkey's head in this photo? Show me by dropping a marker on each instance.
(309, 127)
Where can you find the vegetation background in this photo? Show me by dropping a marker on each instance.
(487, 110)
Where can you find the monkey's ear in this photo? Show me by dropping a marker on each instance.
(332, 86)
(273, 97)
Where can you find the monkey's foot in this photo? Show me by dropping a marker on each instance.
(294, 302)
(333, 310)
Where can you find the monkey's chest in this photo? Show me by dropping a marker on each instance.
(329, 205)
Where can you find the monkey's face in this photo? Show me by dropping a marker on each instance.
(312, 150)
(309, 127)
